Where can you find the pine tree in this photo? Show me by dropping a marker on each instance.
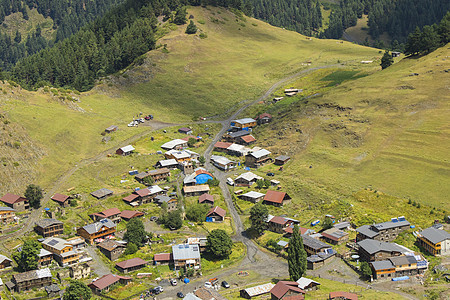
(180, 16)
(296, 255)
(191, 29)
(258, 217)
(386, 60)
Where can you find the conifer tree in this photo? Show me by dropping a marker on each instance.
(296, 255)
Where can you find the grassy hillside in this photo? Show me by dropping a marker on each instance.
(237, 62)
(387, 132)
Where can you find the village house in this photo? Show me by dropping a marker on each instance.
(17, 202)
(342, 225)
(81, 271)
(243, 123)
(307, 284)
(264, 118)
(130, 265)
(206, 199)
(245, 140)
(258, 158)
(170, 164)
(127, 215)
(132, 199)
(290, 229)
(387, 231)
(200, 241)
(172, 202)
(98, 231)
(49, 227)
(146, 195)
(200, 176)
(238, 150)
(62, 251)
(112, 249)
(102, 193)
(175, 144)
(252, 196)
(111, 213)
(395, 53)
(5, 262)
(372, 250)
(320, 259)
(185, 130)
(278, 224)
(256, 291)
(216, 214)
(111, 128)
(162, 259)
(186, 256)
(285, 289)
(31, 279)
(124, 151)
(276, 198)
(234, 136)
(104, 283)
(281, 160)
(382, 269)
(53, 291)
(398, 266)
(313, 246)
(222, 162)
(246, 179)
(197, 190)
(159, 174)
(334, 236)
(7, 215)
(61, 199)
(221, 146)
(342, 296)
(45, 258)
(77, 242)
(435, 241)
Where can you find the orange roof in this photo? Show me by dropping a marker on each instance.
(205, 197)
(130, 198)
(129, 214)
(60, 197)
(108, 212)
(278, 220)
(222, 145)
(162, 257)
(11, 198)
(275, 196)
(290, 230)
(218, 210)
(131, 263)
(201, 171)
(107, 280)
(345, 295)
(248, 138)
(282, 287)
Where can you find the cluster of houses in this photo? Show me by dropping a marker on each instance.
(297, 290)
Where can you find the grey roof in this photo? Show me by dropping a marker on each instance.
(253, 194)
(95, 227)
(128, 148)
(373, 246)
(162, 198)
(260, 153)
(283, 157)
(239, 133)
(221, 160)
(102, 193)
(435, 235)
(391, 224)
(365, 230)
(191, 296)
(43, 252)
(7, 209)
(321, 256)
(282, 243)
(304, 282)
(54, 288)
(68, 253)
(342, 225)
(403, 260)
(47, 222)
(168, 162)
(32, 275)
(382, 265)
(313, 243)
(185, 251)
(249, 176)
(173, 143)
(244, 120)
(56, 243)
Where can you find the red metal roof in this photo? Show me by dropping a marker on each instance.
(11, 198)
(275, 196)
(143, 192)
(190, 137)
(294, 297)
(205, 197)
(60, 197)
(131, 263)
(264, 115)
(291, 230)
(129, 214)
(108, 212)
(222, 145)
(282, 287)
(162, 257)
(248, 138)
(107, 280)
(201, 171)
(130, 198)
(218, 210)
(345, 295)
(278, 220)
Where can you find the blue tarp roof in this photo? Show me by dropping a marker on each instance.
(203, 178)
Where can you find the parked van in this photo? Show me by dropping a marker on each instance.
(230, 181)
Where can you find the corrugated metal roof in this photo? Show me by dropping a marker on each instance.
(435, 235)
(185, 251)
(259, 290)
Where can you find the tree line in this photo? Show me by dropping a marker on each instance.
(68, 17)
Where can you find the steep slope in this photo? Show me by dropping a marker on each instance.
(388, 131)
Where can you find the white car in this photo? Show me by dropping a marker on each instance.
(230, 181)
(173, 281)
(208, 285)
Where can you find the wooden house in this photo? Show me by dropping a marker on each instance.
(5, 262)
(127, 215)
(14, 201)
(62, 250)
(435, 241)
(172, 202)
(276, 198)
(7, 215)
(104, 283)
(186, 256)
(258, 158)
(112, 249)
(206, 199)
(285, 290)
(102, 193)
(386, 231)
(130, 265)
(162, 259)
(124, 151)
(98, 231)
(185, 130)
(264, 118)
(281, 160)
(31, 279)
(246, 179)
(49, 227)
(243, 123)
(216, 214)
(252, 196)
(61, 199)
(111, 213)
(111, 128)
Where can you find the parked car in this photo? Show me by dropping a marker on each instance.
(230, 181)
(158, 290)
(173, 281)
(225, 284)
(270, 174)
(180, 295)
(208, 285)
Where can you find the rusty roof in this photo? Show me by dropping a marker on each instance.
(11, 198)
(248, 138)
(222, 145)
(130, 198)
(205, 197)
(282, 287)
(59, 197)
(129, 214)
(107, 280)
(110, 245)
(345, 295)
(108, 212)
(278, 220)
(218, 210)
(162, 257)
(275, 196)
(131, 263)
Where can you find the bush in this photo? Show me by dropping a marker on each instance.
(191, 28)
(203, 35)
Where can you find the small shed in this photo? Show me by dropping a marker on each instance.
(216, 214)
(102, 193)
(111, 128)
(281, 160)
(127, 150)
(395, 54)
(185, 130)
(53, 290)
(256, 291)
(206, 199)
(61, 199)
(264, 118)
